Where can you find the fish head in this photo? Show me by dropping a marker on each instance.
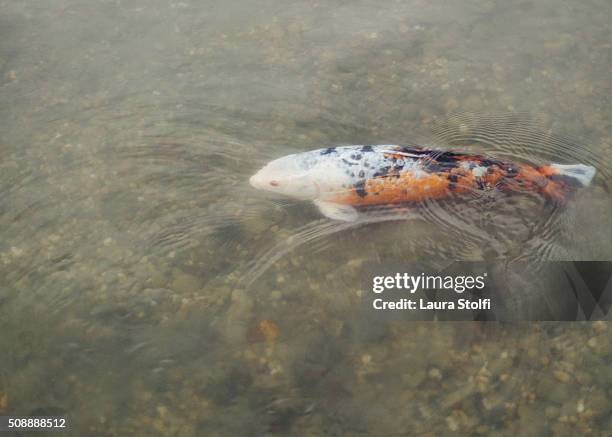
(290, 176)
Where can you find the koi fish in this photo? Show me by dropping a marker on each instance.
(343, 180)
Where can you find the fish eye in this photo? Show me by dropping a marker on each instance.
(274, 183)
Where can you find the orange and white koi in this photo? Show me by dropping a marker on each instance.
(342, 180)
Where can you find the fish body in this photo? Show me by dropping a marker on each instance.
(341, 180)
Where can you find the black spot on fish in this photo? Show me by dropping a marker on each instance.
(432, 166)
(360, 189)
(435, 161)
(480, 183)
(413, 151)
(384, 171)
(367, 149)
(486, 163)
(453, 177)
(328, 151)
(444, 157)
(361, 173)
(511, 172)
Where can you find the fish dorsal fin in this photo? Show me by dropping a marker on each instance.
(337, 211)
(401, 153)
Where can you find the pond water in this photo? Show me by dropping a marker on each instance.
(147, 289)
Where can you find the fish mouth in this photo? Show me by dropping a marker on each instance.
(259, 180)
(255, 181)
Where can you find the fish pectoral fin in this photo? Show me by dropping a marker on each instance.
(337, 211)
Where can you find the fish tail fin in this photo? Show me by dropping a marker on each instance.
(583, 174)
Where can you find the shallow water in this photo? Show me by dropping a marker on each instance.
(147, 289)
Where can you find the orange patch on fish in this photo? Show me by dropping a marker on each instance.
(404, 187)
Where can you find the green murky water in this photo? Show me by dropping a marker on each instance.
(147, 289)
